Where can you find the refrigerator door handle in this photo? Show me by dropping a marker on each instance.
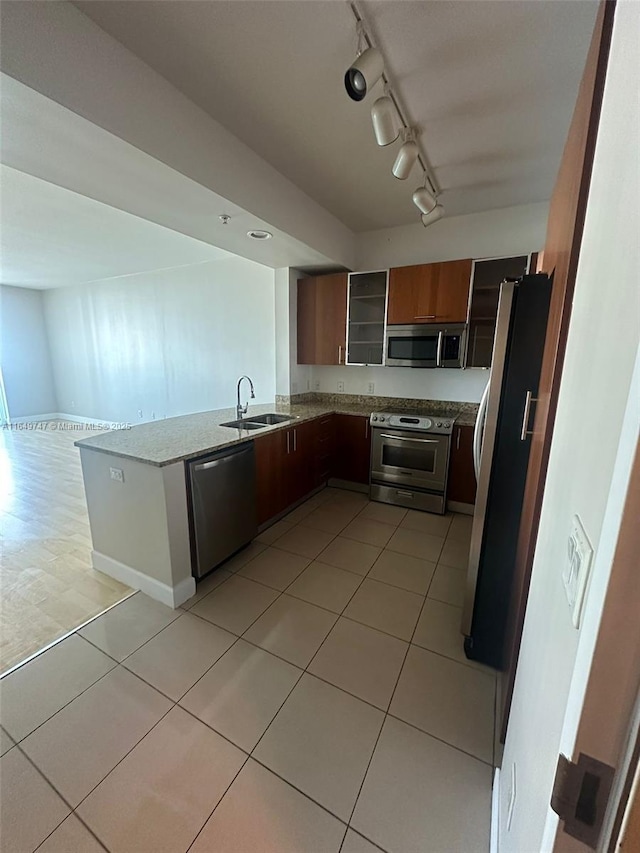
(477, 432)
(525, 431)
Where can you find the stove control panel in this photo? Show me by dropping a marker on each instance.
(421, 423)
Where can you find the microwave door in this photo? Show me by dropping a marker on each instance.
(412, 347)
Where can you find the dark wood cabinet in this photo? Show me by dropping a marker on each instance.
(325, 448)
(290, 463)
(429, 293)
(412, 294)
(452, 292)
(462, 478)
(485, 294)
(271, 460)
(300, 463)
(322, 319)
(352, 448)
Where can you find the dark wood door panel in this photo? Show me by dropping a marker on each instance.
(462, 478)
(353, 448)
(322, 319)
(560, 258)
(452, 292)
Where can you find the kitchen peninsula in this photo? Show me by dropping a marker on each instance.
(138, 493)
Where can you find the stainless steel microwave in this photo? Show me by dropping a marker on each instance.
(424, 345)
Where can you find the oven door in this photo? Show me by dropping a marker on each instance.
(410, 459)
(413, 346)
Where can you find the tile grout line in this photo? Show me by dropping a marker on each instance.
(386, 714)
(303, 671)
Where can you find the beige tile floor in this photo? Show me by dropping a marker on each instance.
(47, 583)
(313, 697)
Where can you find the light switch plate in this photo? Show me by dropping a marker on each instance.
(575, 575)
(340, 387)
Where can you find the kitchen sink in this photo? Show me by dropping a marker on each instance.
(270, 419)
(242, 424)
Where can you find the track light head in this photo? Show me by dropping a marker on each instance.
(424, 200)
(384, 121)
(433, 215)
(365, 72)
(406, 159)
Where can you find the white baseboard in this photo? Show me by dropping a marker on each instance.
(172, 596)
(49, 416)
(495, 812)
(59, 416)
(81, 419)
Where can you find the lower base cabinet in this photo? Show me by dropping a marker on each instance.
(292, 462)
(462, 476)
(286, 468)
(352, 448)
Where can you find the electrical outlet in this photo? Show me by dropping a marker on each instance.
(317, 385)
(308, 384)
(371, 387)
(340, 387)
(153, 416)
(117, 474)
(139, 413)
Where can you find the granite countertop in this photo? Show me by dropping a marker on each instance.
(164, 442)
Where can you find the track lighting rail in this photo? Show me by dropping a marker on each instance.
(423, 159)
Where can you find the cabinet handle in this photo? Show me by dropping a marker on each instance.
(339, 353)
(425, 317)
(366, 428)
(458, 439)
(288, 440)
(295, 440)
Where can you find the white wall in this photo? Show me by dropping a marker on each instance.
(291, 377)
(24, 353)
(596, 390)
(461, 385)
(494, 233)
(167, 343)
(50, 46)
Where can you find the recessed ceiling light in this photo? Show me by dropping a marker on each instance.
(259, 235)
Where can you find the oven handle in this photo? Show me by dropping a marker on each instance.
(439, 352)
(401, 438)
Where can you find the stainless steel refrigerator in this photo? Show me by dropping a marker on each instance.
(501, 453)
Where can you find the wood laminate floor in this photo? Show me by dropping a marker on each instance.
(47, 583)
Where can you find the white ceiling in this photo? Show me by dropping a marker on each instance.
(491, 85)
(52, 237)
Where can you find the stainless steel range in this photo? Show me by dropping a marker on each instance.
(410, 460)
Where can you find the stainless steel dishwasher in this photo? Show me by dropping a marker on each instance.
(223, 505)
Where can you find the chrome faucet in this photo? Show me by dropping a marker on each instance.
(240, 409)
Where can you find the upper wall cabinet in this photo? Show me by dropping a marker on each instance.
(367, 305)
(487, 278)
(429, 293)
(322, 319)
